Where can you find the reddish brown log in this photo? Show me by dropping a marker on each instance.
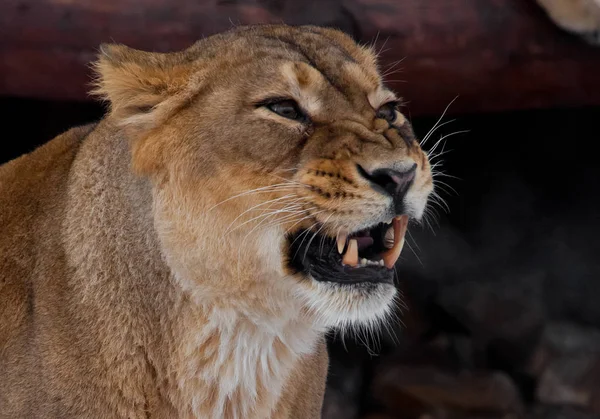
(494, 54)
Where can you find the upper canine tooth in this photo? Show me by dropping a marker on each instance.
(351, 255)
(341, 241)
(400, 226)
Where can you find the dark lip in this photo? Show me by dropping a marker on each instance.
(321, 261)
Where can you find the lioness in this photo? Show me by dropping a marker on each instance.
(185, 256)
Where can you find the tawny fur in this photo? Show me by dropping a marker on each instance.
(140, 278)
(581, 17)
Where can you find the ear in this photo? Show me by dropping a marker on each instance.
(142, 88)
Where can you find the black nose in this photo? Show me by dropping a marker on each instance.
(393, 182)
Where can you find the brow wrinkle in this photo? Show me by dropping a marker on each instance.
(289, 42)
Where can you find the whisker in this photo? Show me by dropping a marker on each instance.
(442, 174)
(264, 189)
(381, 50)
(315, 234)
(374, 42)
(323, 242)
(391, 67)
(290, 181)
(287, 219)
(310, 215)
(294, 214)
(294, 169)
(254, 229)
(440, 119)
(229, 230)
(437, 199)
(441, 153)
(440, 183)
(388, 322)
(433, 130)
(429, 213)
(412, 238)
(443, 138)
(414, 253)
(256, 206)
(305, 233)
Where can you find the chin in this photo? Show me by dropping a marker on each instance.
(343, 306)
(348, 280)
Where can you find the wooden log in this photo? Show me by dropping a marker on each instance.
(493, 54)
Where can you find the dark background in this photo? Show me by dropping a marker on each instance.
(500, 315)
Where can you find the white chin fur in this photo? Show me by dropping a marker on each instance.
(335, 305)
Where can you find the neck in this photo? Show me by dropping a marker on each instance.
(215, 314)
(242, 329)
(231, 364)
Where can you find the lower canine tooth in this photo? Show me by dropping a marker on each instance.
(400, 225)
(351, 255)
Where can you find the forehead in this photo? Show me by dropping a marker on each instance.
(309, 61)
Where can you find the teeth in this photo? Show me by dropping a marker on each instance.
(351, 255)
(366, 262)
(341, 241)
(399, 226)
(394, 241)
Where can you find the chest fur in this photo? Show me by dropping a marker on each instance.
(236, 368)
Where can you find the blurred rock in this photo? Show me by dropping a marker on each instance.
(565, 338)
(504, 316)
(567, 251)
(559, 412)
(570, 372)
(456, 393)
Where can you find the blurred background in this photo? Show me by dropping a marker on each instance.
(501, 289)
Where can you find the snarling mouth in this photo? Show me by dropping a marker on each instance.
(364, 256)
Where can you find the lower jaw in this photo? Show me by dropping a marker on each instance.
(341, 305)
(348, 276)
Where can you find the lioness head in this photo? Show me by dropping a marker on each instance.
(279, 161)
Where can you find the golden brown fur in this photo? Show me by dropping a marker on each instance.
(581, 17)
(137, 277)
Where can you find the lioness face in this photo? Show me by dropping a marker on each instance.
(289, 141)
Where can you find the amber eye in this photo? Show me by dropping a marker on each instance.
(387, 112)
(287, 108)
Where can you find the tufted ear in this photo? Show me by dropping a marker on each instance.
(142, 88)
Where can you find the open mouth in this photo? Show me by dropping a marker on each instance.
(364, 256)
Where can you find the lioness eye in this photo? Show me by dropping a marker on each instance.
(288, 109)
(387, 112)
